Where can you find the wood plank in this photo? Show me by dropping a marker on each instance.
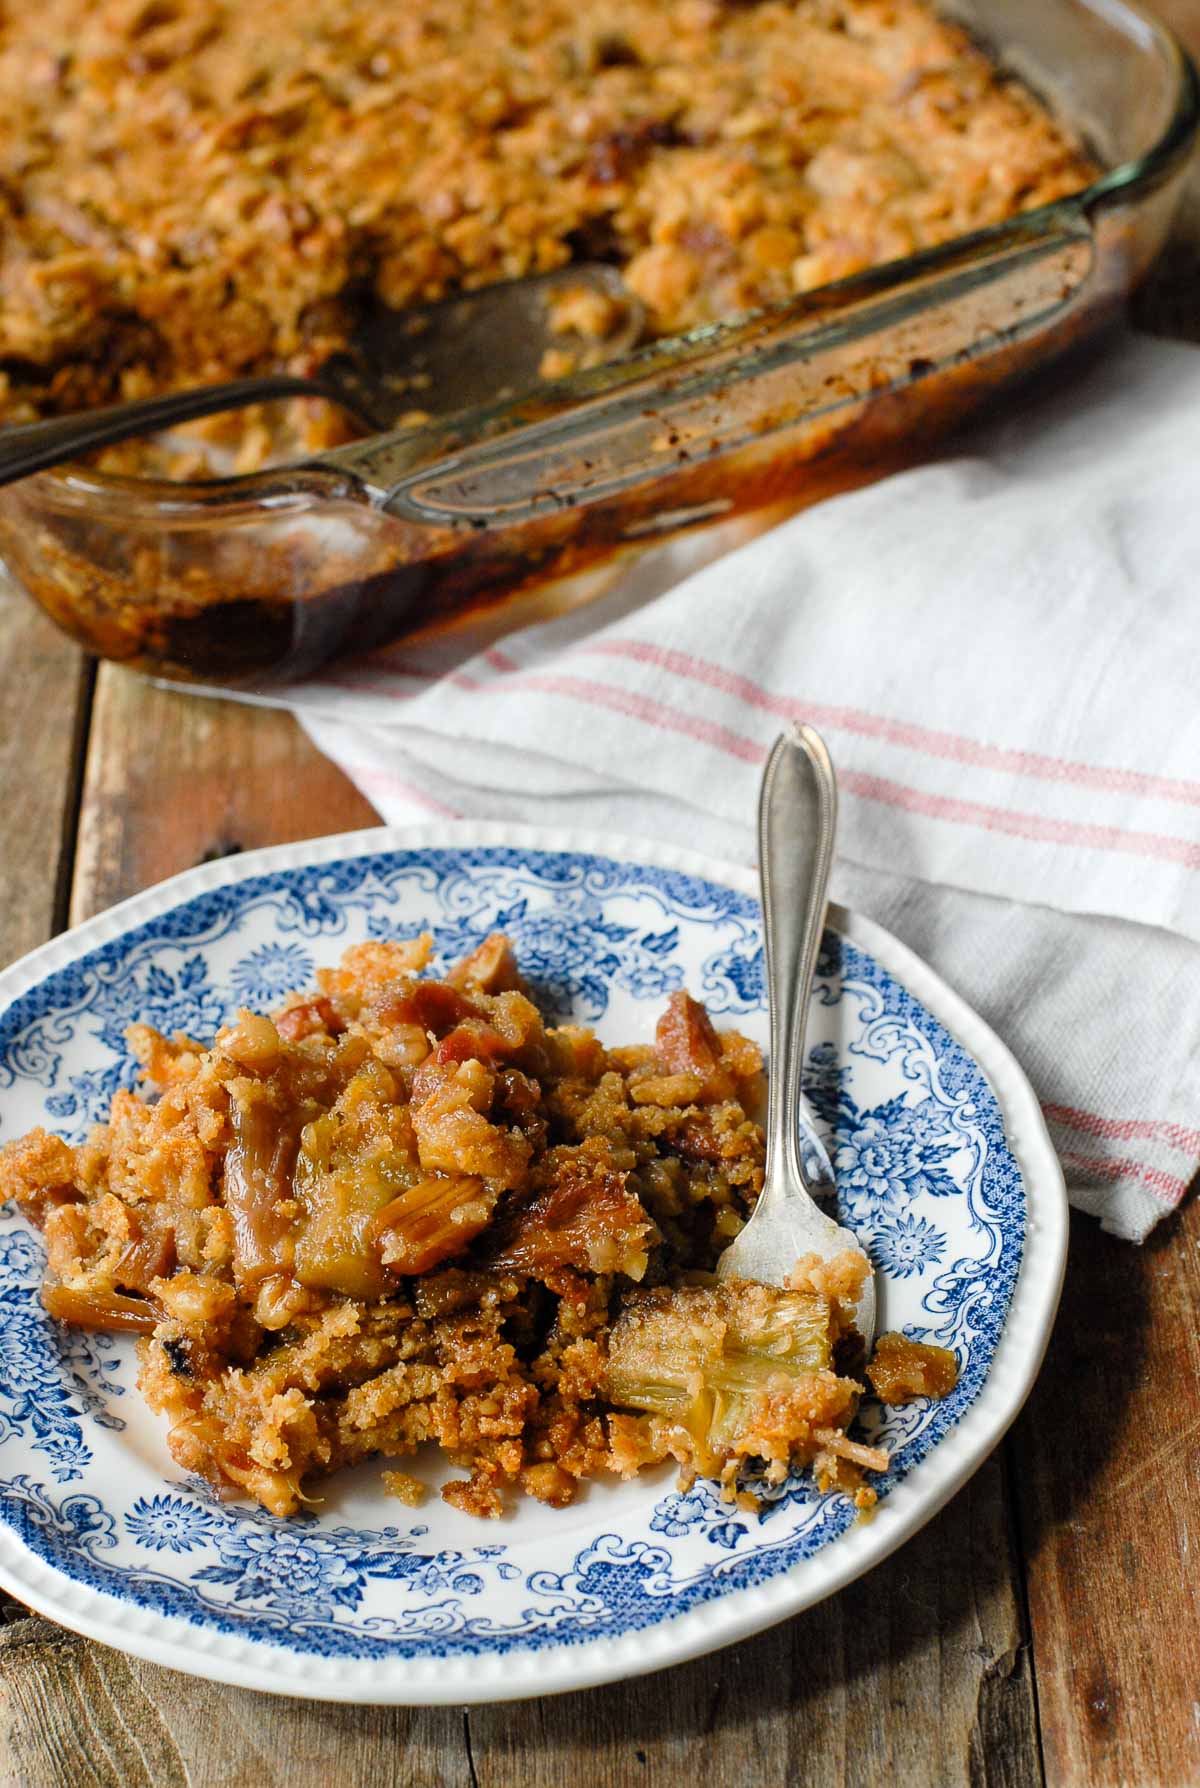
(1109, 1472)
(175, 779)
(79, 1715)
(44, 690)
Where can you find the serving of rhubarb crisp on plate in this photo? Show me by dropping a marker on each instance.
(360, 1330)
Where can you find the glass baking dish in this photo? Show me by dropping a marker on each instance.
(252, 580)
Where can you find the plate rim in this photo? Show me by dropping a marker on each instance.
(475, 1680)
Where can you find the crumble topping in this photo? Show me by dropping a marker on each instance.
(192, 190)
(404, 1210)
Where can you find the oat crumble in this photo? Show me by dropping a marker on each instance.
(192, 190)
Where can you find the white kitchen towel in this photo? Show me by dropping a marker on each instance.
(1003, 651)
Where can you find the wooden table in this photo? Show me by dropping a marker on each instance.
(1045, 1627)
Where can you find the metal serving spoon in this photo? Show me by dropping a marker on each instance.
(797, 820)
(435, 358)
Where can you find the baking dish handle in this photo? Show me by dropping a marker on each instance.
(818, 361)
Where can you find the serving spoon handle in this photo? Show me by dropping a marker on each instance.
(36, 446)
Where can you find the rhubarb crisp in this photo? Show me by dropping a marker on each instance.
(405, 1210)
(193, 190)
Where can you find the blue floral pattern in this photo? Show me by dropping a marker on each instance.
(680, 1513)
(50, 1377)
(734, 979)
(168, 1523)
(264, 977)
(908, 1119)
(902, 1246)
(703, 1509)
(894, 1153)
(181, 998)
(571, 952)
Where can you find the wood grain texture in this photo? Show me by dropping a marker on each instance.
(79, 1715)
(44, 691)
(172, 780)
(1109, 1477)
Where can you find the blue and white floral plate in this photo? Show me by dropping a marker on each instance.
(943, 1168)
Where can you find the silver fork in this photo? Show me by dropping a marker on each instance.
(797, 821)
